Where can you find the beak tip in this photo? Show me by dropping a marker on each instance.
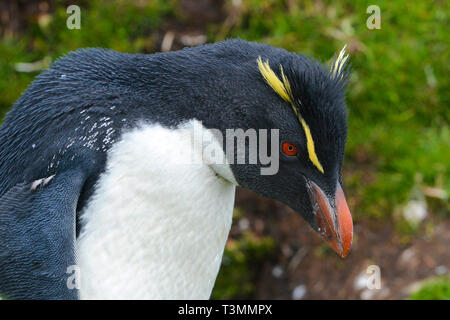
(345, 251)
(341, 247)
(335, 227)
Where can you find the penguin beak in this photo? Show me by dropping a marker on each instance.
(332, 217)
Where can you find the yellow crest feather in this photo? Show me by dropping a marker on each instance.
(310, 146)
(273, 81)
(283, 89)
(338, 65)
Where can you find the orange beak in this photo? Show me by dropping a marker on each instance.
(333, 218)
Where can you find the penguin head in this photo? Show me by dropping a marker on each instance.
(305, 102)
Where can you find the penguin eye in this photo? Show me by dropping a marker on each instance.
(289, 149)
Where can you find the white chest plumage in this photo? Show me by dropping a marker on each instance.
(157, 225)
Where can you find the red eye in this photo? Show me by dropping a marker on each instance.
(289, 149)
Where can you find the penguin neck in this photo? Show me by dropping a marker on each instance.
(157, 224)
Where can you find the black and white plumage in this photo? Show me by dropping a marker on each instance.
(93, 167)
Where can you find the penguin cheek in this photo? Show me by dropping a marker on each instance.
(291, 188)
(297, 198)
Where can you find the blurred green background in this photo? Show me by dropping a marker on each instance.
(396, 171)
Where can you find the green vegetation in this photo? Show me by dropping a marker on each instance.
(116, 25)
(436, 289)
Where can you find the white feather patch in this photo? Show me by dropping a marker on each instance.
(156, 226)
